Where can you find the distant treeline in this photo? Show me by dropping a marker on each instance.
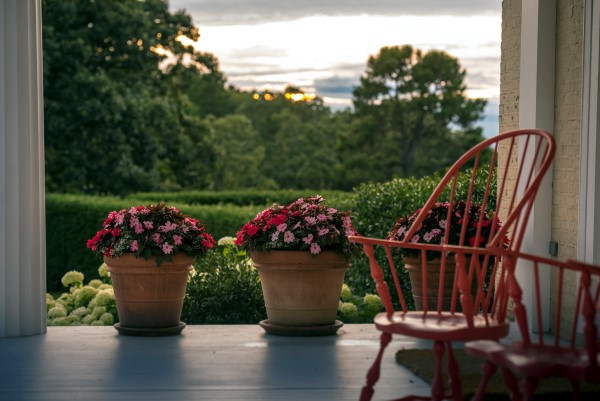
(116, 123)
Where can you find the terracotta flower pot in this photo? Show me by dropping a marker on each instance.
(413, 266)
(148, 297)
(301, 289)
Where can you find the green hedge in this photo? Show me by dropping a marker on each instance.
(243, 197)
(72, 219)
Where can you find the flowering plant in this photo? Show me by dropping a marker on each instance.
(434, 226)
(303, 225)
(153, 230)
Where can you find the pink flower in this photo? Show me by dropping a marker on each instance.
(308, 239)
(156, 238)
(134, 221)
(281, 228)
(415, 239)
(443, 224)
(167, 248)
(310, 220)
(168, 226)
(134, 246)
(177, 239)
(120, 218)
(275, 236)
(149, 225)
(321, 217)
(323, 231)
(288, 237)
(138, 229)
(315, 248)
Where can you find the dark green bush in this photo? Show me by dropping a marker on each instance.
(377, 207)
(225, 289)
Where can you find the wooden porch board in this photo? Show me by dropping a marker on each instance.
(236, 362)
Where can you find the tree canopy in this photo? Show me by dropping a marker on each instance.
(119, 119)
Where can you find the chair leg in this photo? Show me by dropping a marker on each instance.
(373, 374)
(437, 385)
(529, 386)
(576, 392)
(513, 386)
(487, 371)
(454, 375)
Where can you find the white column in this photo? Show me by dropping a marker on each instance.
(536, 110)
(22, 217)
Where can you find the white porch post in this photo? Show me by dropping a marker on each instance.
(22, 217)
(536, 110)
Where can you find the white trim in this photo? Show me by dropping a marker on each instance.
(536, 110)
(588, 234)
(22, 214)
(588, 244)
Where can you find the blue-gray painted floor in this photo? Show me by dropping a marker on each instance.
(237, 362)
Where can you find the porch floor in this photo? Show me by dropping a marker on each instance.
(237, 362)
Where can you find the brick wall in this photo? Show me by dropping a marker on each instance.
(567, 127)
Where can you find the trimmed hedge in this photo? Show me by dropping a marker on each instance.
(72, 219)
(243, 197)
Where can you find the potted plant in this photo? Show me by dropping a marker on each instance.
(302, 252)
(433, 231)
(149, 251)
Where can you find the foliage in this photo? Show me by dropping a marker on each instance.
(92, 304)
(358, 309)
(378, 206)
(114, 103)
(71, 218)
(224, 289)
(435, 229)
(109, 107)
(244, 197)
(304, 225)
(159, 231)
(412, 115)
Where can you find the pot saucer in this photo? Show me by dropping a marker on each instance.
(150, 332)
(299, 331)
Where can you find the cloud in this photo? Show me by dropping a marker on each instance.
(250, 12)
(336, 86)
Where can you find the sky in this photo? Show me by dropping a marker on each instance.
(322, 46)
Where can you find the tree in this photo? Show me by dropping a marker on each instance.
(413, 116)
(111, 125)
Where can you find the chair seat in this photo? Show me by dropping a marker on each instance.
(532, 360)
(443, 326)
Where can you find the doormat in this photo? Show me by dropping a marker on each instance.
(421, 363)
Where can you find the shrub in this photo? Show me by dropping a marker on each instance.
(356, 308)
(376, 208)
(82, 304)
(224, 288)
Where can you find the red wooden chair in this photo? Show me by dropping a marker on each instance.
(477, 310)
(562, 344)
